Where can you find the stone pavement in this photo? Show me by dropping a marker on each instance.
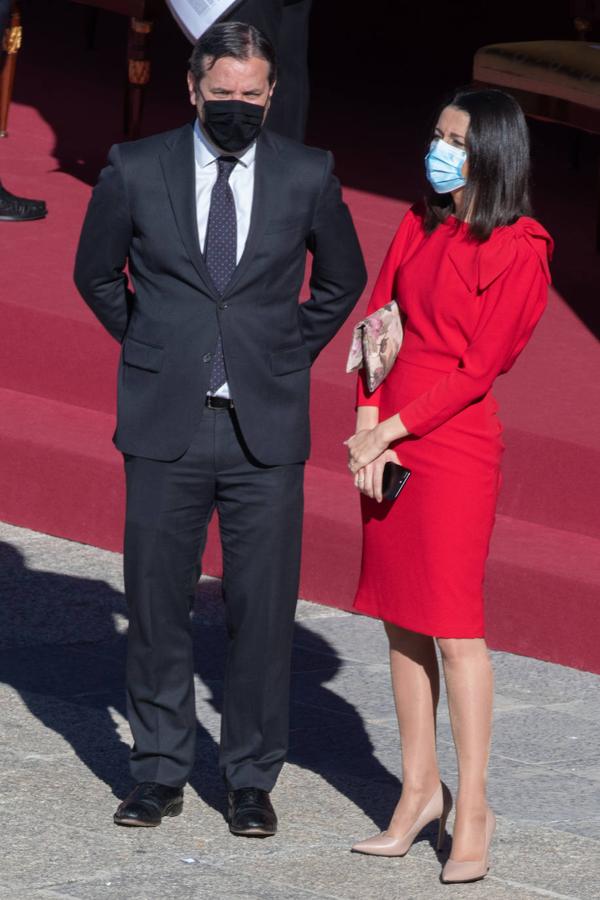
(63, 759)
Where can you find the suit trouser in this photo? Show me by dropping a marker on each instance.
(169, 506)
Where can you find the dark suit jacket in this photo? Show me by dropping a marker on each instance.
(143, 211)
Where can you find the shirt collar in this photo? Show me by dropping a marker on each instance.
(205, 152)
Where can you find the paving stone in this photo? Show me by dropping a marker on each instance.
(563, 863)
(584, 709)
(349, 876)
(533, 795)
(542, 736)
(42, 854)
(194, 880)
(355, 639)
(308, 610)
(589, 769)
(527, 679)
(329, 692)
(589, 830)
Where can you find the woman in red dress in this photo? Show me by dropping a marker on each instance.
(469, 270)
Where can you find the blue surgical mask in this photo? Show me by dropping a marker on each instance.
(443, 165)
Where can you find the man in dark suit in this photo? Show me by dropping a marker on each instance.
(214, 220)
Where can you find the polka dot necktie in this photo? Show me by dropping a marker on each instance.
(220, 250)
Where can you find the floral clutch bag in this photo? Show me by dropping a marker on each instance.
(376, 341)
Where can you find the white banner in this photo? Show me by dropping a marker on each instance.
(195, 16)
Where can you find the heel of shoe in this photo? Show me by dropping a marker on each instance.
(175, 809)
(441, 831)
(447, 800)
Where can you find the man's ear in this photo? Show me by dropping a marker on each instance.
(192, 89)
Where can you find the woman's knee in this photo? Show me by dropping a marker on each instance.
(460, 649)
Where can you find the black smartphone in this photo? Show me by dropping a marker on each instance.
(394, 479)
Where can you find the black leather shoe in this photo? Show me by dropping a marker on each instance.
(148, 803)
(251, 813)
(18, 209)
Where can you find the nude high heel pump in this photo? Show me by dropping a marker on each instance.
(471, 870)
(383, 844)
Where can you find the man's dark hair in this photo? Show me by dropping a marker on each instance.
(497, 145)
(236, 39)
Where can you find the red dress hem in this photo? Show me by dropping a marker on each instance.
(358, 610)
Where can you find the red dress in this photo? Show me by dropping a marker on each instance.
(469, 310)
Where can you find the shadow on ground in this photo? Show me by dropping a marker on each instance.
(63, 645)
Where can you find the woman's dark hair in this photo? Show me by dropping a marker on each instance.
(497, 144)
(234, 39)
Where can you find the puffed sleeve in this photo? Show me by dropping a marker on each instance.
(384, 289)
(511, 276)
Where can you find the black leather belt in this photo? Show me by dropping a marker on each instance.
(218, 402)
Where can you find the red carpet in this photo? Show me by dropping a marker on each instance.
(60, 474)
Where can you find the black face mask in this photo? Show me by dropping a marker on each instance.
(232, 124)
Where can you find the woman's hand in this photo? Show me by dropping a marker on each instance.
(369, 479)
(364, 447)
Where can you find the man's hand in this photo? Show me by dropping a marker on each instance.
(369, 479)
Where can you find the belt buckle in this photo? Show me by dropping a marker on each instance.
(213, 402)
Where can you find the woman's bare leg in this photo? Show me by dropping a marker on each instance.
(416, 686)
(470, 687)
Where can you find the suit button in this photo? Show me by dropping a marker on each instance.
(223, 305)
(207, 357)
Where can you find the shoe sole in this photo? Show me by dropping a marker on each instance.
(252, 832)
(466, 880)
(23, 218)
(137, 823)
(20, 219)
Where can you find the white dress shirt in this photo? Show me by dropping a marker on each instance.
(241, 182)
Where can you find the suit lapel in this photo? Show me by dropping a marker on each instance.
(177, 161)
(267, 170)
